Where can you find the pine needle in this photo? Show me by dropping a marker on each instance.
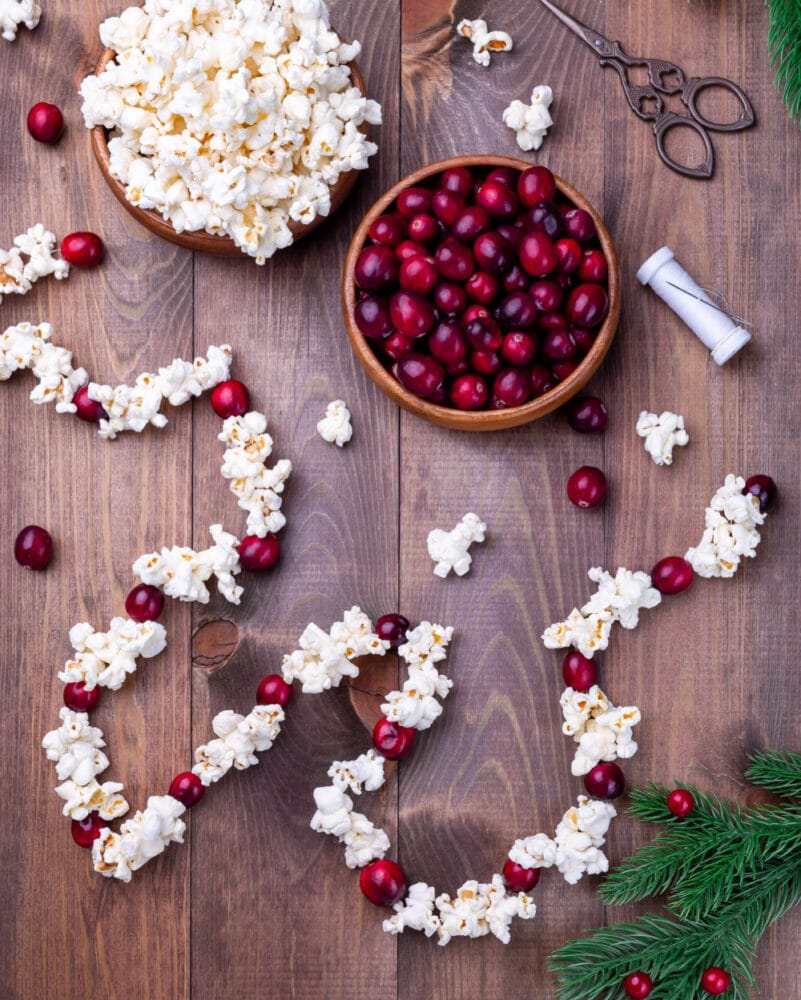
(784, 43)
(779, 771)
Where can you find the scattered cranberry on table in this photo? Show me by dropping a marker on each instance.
(86, 831)
(680, 802)
(715, 981)
(605, 781)
(579, 671)
(45, 122)
(391, 740)
(187, 788)
(638, 985)
(230, 399)
(587, 415)
(257, 554)
(83, 249)
(519, 879)
(764, 489)
(383, 882)
(86, 409)
(79, 698)
(33, 547)
(586, 487)
(144, 603)
(273, 690)
(392, 628)
(672, 575)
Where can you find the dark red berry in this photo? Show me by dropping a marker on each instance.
(256, 554)
(187, 788)
(579, 671)
(516, 878)
(764, 489)
(273, 690)
(586, 487)
(391, 740)
(86, 409)
(86, 831)
(392, 628)
(144, 603)
(680, 802)
(230, 399)
(383, 882)
(83, 249)
(79, 698)
(587, 415)
(605, 781)
(715, 981)
(33, 547)
(638, 985)
(672, 575)
(536, 184)
(45, 122)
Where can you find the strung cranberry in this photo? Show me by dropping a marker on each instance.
(372, 314)
(408, 248)
(680, 802)
(447, 342)
(511, 233)
(420, 374)
(493, 253)
(583, 338)
(392, 628)
(79, 698)
(548, 295)
(515, 279)
(454, 260)
(387, 230)
(519, 348)
(144, 603)
(504, 175)
(447, 206)
(450, 298)
(257, 554)
(187, 788)
(376, 268)
(570, 256)
(557, 345)
(484, 334)
(764, 489)
(411, 313)
(498, 199)
(482, 287)
(541, 380)
(33, 547)
(552, 320)
(273, 690)
(418, 274)
(87, 409)
(485, 362)
(511, 387)
(45, 122)
(538, 254)
(715, 981)
(391, 740)
(672, 575)
(587, 305)
(470, 223)
(469, 392)
(638, 985)
(459, 180)
(587, 415)
(423, 228)
(398, 345)
(593, 266)
(454, 368)
(579, 225)
(516, 878)
(563, 369)
(476, 311)
(413, 201)
(544, 218)
(579, 671)
(383, 882)
(536, 184)
(518, 311)
(605, 781)
(586, 487)
(86, 831)
(83, 249)
(230, 399)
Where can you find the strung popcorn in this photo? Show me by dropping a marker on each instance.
(416, 706)
(602, 731)
(105, 659)
(17, 274)
(449, 549)
(239, 739)
(182, 572)
(415, 911)
(485, 42)
(13, 13)
(530, 121)
(142, 837)
(363, 841)
(732, 519)
(27, 346)
(335, 426)
(662, 433)
(365, 773)
(478, 909)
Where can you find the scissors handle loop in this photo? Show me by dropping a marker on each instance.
(694, 87)
(670, 120)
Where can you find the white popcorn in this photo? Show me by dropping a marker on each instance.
(485, 42)
(182, 572)
(530, 121)
(662, 433)
(335, 816)
(586, 633)
(142, 837)
(602, 731)
(335, 426)
(13, 13)
(538, 851)
(365, 773)
(27, 346)
(80, 800)
(416, 706)
(480, 909)
(732, 519)
(449, 549)
(17, 275)
(426, 643)
(105, 659)
(415, 911)
(239, 739)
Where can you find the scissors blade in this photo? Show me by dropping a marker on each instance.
(599, 44)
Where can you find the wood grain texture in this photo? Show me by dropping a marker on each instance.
(256, 902)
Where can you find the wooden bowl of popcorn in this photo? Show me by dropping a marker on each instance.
(481, 292)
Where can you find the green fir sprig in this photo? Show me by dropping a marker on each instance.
(784, 42)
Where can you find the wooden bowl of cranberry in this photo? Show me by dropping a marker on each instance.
(481, 292)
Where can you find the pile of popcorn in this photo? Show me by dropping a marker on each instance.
(239, 739)
(602, 731)
(13, 13)
(27, 346)
(182, 573)
(662, 433)
(730, 534)
(105, 659)
(450, 549)
(31, 257)
(231, 116)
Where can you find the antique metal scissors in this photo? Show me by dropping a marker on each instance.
(664, 78)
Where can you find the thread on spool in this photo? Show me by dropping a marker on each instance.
(714, 293)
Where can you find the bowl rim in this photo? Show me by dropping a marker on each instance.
(479, 420)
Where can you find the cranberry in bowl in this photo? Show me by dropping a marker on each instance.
(489, 320)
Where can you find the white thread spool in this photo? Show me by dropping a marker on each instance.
(713, 327)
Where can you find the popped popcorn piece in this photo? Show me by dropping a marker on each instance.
(27, 346)
(481, 908)
(334, 816)
(426, 643)
(335, 426)
(239, 738)
(485, 42)
(732, 519)
(602, 730)
(142, 837)
(105, 659)
(365, 773)
(530, 121)
(416, 706)
(182, 572)
(13, 13)
(449, 549)
(586, 633)
(662, 434)
(415, 911)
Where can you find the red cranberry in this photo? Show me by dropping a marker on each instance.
(397, 345)
(512, 387)
(518, 311)
(383, 882)
(558, 345)
(586, 487)
(447, 206)
(476, 311)
(638, 985)
(86, 831)
(450, 298)
(411, 313)
(764, 489)
(469, 392)
(482, 287)
(499, 200)
(420, 374)
(460, 367)
(570, 256)
(408, 248)
(587, 415)
(256, 554)
(538, 254)
(388, 230)
(579, 671)
(439, 395)
(45, 122)
(485, 362)
(563, 369)
(541, 380)
(680, 802)
(511, 233)
(544, 218)
(273, 690)
(413, 201)
(79, 698)
(230, 399)
(376, 268)
(87, 409)
(587, 305)
(187, 788)
(552, 320)
(493, 253)
(459, 180)
(418, 274)
(584, 338)
(547, 295)
(391, 740)
(579, 225)
(605, 781)
(392, 628)
(593, 266)
(372, 314)
(519, 348)
(516, 878)
(484, 334)
(82, 249)
(33, 547)
(448, 343)
(470, 223)
(423, 228)
(504, 175)
(454, 260)
(715, 981)
(536, 184)
(672, 575)
(144, 603)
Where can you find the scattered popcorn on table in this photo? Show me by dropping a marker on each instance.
(662, 434)
(27, 346)
(235, 117)
(18, 276)
(182, 572)
(530, 121)
(13, 13)
(602, 731)
(731, 522)
(105, 659)
(335, 426)
(142, 837)
(449, 549)
(485, 43)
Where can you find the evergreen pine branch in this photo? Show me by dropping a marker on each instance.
(779, 771)
(784, 42)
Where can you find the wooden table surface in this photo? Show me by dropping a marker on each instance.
(256, 904)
